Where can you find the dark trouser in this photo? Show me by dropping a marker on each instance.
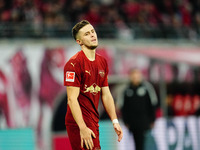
(139, 135)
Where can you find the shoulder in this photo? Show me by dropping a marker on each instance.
(147, 84)
(74, 62)
(101, 58)
(128, 92)
(127, 88)
(76, 57)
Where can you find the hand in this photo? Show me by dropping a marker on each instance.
(118, 130)
(127, 125)
(152, 125)
(86, 137)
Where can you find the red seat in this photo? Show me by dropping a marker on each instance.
(195, 104)
(187, 105)
(177, 105)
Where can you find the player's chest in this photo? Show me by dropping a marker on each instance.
(93, 72)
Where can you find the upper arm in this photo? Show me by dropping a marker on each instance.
(105, 92)
(152, 94)
(72, 92)
(72, 74)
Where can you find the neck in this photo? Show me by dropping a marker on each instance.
(89, 53)
(136, 83)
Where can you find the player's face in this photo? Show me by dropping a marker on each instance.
(136, 77)
(87, 36)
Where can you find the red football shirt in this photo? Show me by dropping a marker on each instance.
(90, 76)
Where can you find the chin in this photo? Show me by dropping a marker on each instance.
(92, 47)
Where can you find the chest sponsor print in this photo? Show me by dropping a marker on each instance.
(94, 89)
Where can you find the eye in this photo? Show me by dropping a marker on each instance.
(87, 33)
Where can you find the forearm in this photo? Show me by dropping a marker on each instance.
(109, 106)
(76, 112)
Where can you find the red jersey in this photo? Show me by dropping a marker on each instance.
(90, 76)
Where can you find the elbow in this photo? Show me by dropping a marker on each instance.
(69, 101)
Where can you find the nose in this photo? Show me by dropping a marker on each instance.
(92, 34)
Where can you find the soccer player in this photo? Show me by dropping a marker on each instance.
(86, 78)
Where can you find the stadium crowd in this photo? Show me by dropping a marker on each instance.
(121, 13)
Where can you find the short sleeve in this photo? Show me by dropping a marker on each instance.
(72, 74)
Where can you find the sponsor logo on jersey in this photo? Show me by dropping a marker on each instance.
(73, 64)
(94, 89)
(88, 72)
(70, 76)
(102, 73)
(141, 91)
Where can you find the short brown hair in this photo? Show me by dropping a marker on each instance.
(78, 26)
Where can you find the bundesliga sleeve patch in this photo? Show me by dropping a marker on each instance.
(70, 76)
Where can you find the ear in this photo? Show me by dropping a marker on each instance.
(79, 42)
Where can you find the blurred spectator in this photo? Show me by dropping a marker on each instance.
(185, 11)
(166, 15)
(93, 15)
(138, 110)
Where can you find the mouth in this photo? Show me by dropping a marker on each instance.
(94, 40)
